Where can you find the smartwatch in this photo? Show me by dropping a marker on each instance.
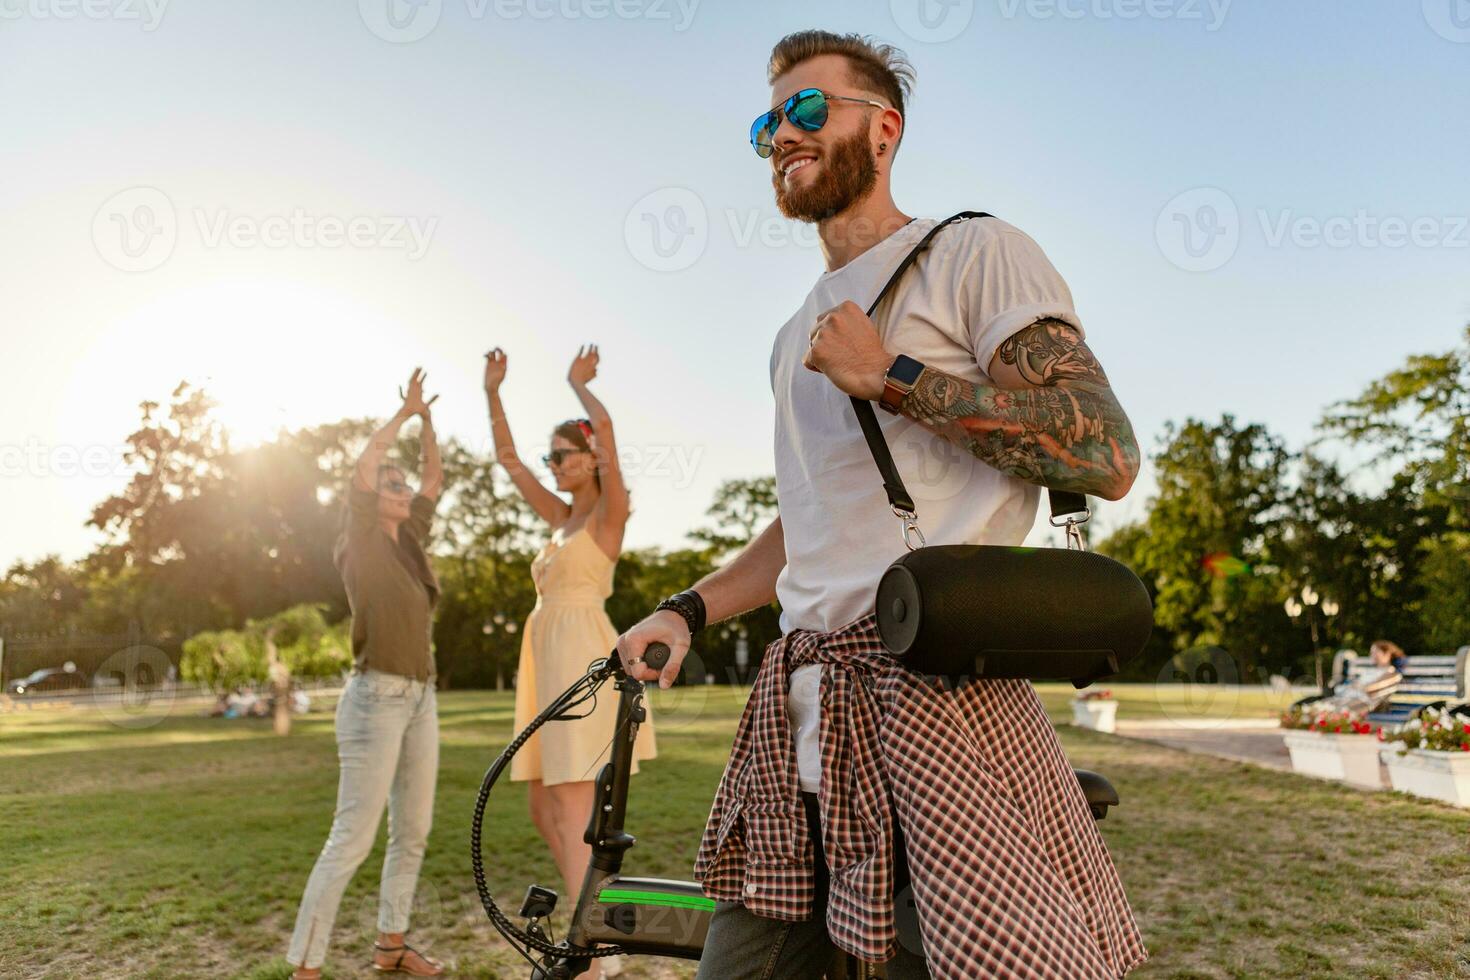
(902, 375)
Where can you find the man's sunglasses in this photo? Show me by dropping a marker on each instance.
(806, 109)
(557, 456)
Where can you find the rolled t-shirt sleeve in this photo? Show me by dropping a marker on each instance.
(1011, 284)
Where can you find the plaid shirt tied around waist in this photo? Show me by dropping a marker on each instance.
(1010, 875)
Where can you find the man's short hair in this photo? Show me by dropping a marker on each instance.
(872, 65)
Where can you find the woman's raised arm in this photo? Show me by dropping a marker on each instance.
(548, 505)
(612, 505)
(365, 473)
(432, 481)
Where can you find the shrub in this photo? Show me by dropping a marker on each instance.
(1437, 730)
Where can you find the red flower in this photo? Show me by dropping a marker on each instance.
(1467, 728)
(1465, 746)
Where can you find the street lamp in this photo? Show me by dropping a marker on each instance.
(1296, 610)
(1311, 600)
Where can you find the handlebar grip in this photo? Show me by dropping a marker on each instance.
(656, 655)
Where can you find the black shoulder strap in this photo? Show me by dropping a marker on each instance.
(1062, 501)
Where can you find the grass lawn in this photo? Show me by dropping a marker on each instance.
(1161, 702)
(180, 849)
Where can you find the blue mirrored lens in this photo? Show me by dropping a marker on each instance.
(761, 132)
(807, 110)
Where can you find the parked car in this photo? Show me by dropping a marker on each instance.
(47, 680)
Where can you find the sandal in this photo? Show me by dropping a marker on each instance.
(435, 967)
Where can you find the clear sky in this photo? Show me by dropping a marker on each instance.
(1259, 206)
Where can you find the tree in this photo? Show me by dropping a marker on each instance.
(1417, 417)
(1125, 544)
(485, 538)
(1212, 539)
(741, 509)
(1444, 575)
(306, 645)
(214, 536)
(1361, 551)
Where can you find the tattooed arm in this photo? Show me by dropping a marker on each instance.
(1049, 417)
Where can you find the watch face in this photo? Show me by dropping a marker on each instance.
(905, 370)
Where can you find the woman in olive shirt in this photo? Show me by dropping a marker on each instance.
(387, 728)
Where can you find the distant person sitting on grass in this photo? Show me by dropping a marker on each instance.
(1370, 689)
(387, 722)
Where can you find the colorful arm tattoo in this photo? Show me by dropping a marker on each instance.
(1064, 429)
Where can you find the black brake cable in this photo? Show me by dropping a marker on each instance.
(597, 673)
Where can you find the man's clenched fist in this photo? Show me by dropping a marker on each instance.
(846, 348)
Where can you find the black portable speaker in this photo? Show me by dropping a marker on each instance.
(968, 611)
(988, 611)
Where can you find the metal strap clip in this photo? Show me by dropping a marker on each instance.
(1073, 524)
(910, 528)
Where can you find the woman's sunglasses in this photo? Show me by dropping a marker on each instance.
(396, 486)
(557, 456)
(806, 109)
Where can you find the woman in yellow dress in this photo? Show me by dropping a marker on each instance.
(569, 627)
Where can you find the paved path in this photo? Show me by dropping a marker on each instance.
(1257, 742)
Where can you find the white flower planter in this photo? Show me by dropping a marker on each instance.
(1347, 758)
(1435, 775)
(1101, 715)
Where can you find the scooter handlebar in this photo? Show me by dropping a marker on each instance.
(656, 655)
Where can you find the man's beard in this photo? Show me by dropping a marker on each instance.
(848, 174)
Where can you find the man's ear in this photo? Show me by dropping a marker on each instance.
(890, 129)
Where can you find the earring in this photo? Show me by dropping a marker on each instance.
(882, 147)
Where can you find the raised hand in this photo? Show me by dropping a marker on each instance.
(584, 365)
(495, 364)
(413, 400)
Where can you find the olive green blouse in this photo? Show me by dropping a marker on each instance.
(390, 585)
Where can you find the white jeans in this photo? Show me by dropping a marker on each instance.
(388, 746)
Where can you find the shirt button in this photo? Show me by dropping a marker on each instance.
(750, 888)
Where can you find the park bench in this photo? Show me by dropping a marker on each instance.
(1430, 681)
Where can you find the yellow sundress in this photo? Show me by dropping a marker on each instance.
(566, 631)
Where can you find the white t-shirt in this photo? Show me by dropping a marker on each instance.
(978, 284)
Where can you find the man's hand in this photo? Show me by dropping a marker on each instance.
(664, 626)
(847, 349)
